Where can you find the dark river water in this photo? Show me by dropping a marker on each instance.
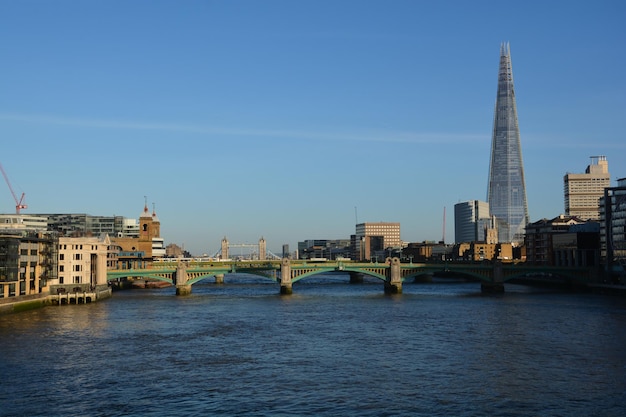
(331, 348)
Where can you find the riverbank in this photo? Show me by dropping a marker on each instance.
(31, 302)
(131, 284)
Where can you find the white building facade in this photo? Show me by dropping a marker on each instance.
(372, 239)
(83, 262)
(582, 192)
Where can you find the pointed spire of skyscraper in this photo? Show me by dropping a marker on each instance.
(506, 192)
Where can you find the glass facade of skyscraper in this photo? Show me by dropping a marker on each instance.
(506, 193)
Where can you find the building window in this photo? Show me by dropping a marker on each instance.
(77, 280)
(61, 257)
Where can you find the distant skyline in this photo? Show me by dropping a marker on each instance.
(276, 119)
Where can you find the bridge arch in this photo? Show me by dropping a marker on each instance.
(207, 275)
(334, 271)
(477, 276)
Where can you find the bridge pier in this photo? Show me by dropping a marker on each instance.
(356, 278)
(285, 277)
(393, 284)
(219, 278)
(497, 285)
(183, 289)
(180, 279)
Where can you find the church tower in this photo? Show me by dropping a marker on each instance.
(149, 224)
(506, 192)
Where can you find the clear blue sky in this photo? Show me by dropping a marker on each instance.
(277, 118)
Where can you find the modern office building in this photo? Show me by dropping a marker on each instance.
(81, 224)
(613, 230)
(506, 192)
(23, 221)
(373, 239)
(583, 191)
(471, 221)
(324, 248)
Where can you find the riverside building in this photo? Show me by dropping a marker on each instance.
(82, 264)
(613, 231)
(28, 262)
(540, 235)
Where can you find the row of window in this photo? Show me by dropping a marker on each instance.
(76, 268)
(12, 288)
(77, 247)
(77, 257)
(76, 279)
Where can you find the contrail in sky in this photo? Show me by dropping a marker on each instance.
(371, 136)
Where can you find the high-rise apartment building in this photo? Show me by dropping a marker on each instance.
(506, 192)
(471, 218)
(372, 239)
(583, 191)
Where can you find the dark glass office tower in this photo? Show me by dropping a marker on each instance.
(507, 191)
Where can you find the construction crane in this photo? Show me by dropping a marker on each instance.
(19, 204)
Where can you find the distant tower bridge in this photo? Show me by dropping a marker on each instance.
(245, 251)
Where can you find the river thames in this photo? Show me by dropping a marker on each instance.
(330, 348)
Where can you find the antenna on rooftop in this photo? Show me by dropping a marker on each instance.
(443, 238)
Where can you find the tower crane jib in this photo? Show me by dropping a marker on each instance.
(19, 204)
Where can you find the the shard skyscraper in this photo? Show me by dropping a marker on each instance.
(507, 191)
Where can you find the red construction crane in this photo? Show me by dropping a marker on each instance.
(19, 204)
